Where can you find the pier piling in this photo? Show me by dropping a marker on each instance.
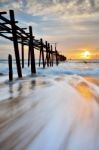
(22, 53)
(10, 30)
(15, 43)
(31, 45)
(10, 67)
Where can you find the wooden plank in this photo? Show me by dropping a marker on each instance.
(24, 28)
(7, 23)
(10, 38)
(5, 28)
(2, 13)
(4, 19)
(4, 32)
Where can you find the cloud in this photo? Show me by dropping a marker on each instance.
(62, 6)
(70, 22)
(10, 4)
(54, 7)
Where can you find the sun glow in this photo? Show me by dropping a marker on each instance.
(86, 55)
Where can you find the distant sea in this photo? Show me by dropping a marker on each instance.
(78, 67)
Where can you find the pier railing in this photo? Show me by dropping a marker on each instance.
(10, 30)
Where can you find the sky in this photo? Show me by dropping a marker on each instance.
(72, 24)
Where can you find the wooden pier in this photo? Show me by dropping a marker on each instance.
(10, 30)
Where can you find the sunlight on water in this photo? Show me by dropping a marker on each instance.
(85, 91)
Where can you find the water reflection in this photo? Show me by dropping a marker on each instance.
(94, 80)
(18, 113)
(33, 84)
(47, 117)
(84, 89)
(20, 89)
(16, 102)
(11, 90)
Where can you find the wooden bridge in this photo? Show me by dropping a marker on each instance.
(10, 30)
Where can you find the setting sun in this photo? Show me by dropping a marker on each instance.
(86, 54)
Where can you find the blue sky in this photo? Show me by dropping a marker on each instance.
(73, 24)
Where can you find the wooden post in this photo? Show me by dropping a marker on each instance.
(46, 53)
(56, 58)
(51, 56)
(56, 55)
(22, 54)
(40, 58)
(31, 46)
(42, 53)
(10, 67)
(29, 55)
(15, 43)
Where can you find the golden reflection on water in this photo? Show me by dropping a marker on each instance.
(84, 90)
(93, 80)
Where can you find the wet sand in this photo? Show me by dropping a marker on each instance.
(49, 114)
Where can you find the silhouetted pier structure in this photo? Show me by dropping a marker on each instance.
(10, 30)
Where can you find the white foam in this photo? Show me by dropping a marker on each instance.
(48, 113)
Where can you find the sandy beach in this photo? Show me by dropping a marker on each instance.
(55, 113)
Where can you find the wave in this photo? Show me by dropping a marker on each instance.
(63, 71)
(67, 68)
(56, 71)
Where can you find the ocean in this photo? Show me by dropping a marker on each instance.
(83, 68)
(56, 109)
